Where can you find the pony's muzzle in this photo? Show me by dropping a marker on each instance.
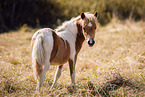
(91, 42)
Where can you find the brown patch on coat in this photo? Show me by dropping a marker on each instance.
(80, 37)
(61, 50)
(55, 46)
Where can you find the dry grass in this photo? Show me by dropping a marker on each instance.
(115, 66)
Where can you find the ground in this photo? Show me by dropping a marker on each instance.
(115, 66)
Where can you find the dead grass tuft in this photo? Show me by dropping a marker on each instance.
(111, 85)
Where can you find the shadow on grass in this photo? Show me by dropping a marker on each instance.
(111, 86)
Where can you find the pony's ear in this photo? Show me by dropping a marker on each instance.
(82, 15)
(96, 14)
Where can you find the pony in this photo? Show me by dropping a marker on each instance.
(56, 47)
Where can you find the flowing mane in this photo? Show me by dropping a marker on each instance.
(68, 25)
(65, 25)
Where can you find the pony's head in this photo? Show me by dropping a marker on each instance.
(88, 27)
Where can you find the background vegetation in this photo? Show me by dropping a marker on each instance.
(49, 13)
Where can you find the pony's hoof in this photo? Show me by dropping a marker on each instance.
(73, 86)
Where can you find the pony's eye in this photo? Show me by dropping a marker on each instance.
(84, 29)
(95, 27)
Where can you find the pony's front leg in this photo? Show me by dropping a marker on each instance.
(57, 76)
(42, 76)
(72, 70)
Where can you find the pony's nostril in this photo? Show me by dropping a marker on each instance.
(91, 42)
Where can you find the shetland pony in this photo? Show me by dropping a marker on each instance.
(56, 47)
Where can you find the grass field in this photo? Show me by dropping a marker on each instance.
(115, 66)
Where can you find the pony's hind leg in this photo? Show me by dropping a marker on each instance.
(47, 46)
(42, 49)
(57, 76)
(42, 76)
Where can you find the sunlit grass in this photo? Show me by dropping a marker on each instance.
(115, 66)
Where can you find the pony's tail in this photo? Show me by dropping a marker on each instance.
(38, 56)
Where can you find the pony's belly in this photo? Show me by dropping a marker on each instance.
(59, 61)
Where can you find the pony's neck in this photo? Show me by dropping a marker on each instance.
(72, 31)
(80, 37)
(75, 30)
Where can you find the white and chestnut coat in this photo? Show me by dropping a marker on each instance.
(57, 47)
